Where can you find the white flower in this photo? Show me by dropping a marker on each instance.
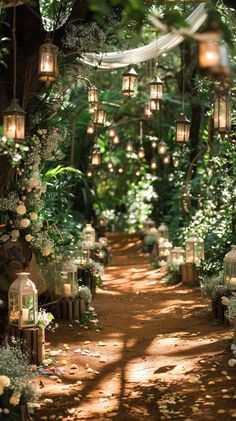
(24, 223)
(28, 238)
(5, 381)
(21, 209)
(232, 362)
(225, 301)
(15, 234)
(33, 216)
(4, 237)
(15, 399)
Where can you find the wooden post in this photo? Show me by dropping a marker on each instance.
(235, 331)
(76, 308)
(82, 308)
(190, 275)
(70, 314)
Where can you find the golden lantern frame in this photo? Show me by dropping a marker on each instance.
(48, 62)
(96, 155)
(182, 128)
(99, 116)
(222, 111)
(130, 82)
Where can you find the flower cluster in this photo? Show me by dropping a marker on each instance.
(44, 319)
(84, 293)
(230, 303)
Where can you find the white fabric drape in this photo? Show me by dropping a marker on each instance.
(118, 59)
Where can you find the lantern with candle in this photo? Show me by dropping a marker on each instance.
(230, 266)
(162, 233)
(194, 249)
(23, 301)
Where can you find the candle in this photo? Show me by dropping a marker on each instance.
(67, 289)
(25, 314)
(233, 281)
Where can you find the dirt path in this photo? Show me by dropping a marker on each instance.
(154, 353)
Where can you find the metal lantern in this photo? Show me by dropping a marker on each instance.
(90, 128)
(156, 93)
(230, 266)
(213, 55)
(92, 95)
(222, 111)
(48, 65)
(164, 249)
(153, 164)
(99, 116)
(166, 160)
(177, 255)
(23, 302)
(116, 140)
(96, 156)
(88, 235)
(182, 128)
(129, 147)
(14, 121)
(162, 233)
(154, 104)
(69, 279)
(112, 131)
(162, 148)
(130, 82)
(141, 152)
(194, 249)
(147, 111)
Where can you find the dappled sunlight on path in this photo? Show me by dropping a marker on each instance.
(156, 354)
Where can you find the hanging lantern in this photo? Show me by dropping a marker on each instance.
(154, 142)
(88, 235)
(153, 164)
(166, 160)
(177, 256)
(48, 65)
(23, 302)
(130, 146)
(222, 111)
(162, 148)
(110, 164)
(89, 172)
(130, 82)
(99, 116)
(156, 93)
(96, 155)
(175, 161)
(194, 249)
(14, 121)
(147, 111)
(162, 233)
(213, 55)
(154, 105)
(137, 173)
(116, 140)
(120, 170)
(141, 152)
(112, 131)
(90, 128)
(92, 95)
(182, 128)
(230, 266)
(111, 169)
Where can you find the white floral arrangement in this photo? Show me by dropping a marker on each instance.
(44, 319)
(84, 293)
(230, 303)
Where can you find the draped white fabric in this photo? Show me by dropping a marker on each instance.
(159, 46)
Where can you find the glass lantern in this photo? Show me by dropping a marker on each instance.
(82, 256)
(147, 225)
(164, 249)
(23, 301)
(88, 235)
(194, 249)
(129, 147)
(69, 278)
(166, 160)
(92, 95)
(14, 121)
(99, 116)
(182, 128)
(116, 140)
(222, 111)
(162, 148)
(213, 55)
(156, 89)
(154, 105)
(153, 164)
(162, 233)
(96, 156)
(90, 128)
(141, 152)
(230, 266)
(154, 142)
(147, 111)
(48, 65)
(130, 82)
(177, 255)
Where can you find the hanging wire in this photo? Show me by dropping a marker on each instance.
(183, 67)
(141, 132)
(14, 51)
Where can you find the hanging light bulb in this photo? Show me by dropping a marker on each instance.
(166, 160)
(130, 82)
(129, 147)
(90, 128)
(156, 93)
(162, 148)
(48, 65)
(141, 152)
(14, 121)
(153, 164)
(147, 111)
(89, 172)
(154, 143)
(112, 131)
(111, 169)
(137, 173)
(110, 164)
(182, 128)
(213, 55)
(222, 110)
(96, 155)
(120, 170)
(99, 116)
(116, 140)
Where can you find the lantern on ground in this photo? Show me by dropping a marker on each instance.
(213, 55)
(92, 96)
(14, 121)
(166, 160)
(141, 152)
(164, 249)
(156, 93)
(96, 156)
(116, 140)
(153, 164)
(177, 255)
(90, 128)
(162, 233)
(129, 147)
(162, 148)
(69, 279)
(99, 116)
(194, 249)
(147, 225)
(88, 235)
(23, 301)
(222, 111)
(147, 111)
(48, 65)
(112, 131)
(182, 128)
(230, 266)
(130, 82)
